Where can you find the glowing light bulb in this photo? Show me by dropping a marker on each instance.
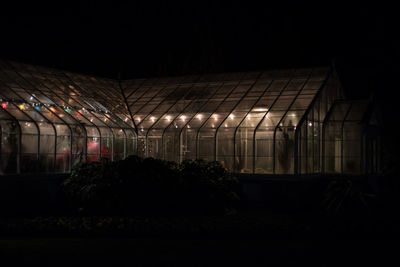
(188, 126)
(215, 117)
(4, 105)
(168, 118)
(21, 107)
(226, 125)
(310, 124)
(231, 116)
(199, 116)
(248, 117)
(152, 119)
(183, 118)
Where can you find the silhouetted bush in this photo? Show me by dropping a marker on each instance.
(136, 186)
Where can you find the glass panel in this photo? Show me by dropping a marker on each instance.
(9, 133)
(29, 147)
(63, 148)
(93, 143)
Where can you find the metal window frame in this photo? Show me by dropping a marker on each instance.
(244, 118)
(19, 152)
(176, 117)
(301, 121)
(194, 116)
(289, 79)
(165, 112)
(230, 112)
(65, 123)
(82, 125)
(283, 117)
(238, 82)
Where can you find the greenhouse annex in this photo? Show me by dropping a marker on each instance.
(294, 121)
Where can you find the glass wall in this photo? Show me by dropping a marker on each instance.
(249, 122)
(52, 120)
(347, 136)
(275, 122)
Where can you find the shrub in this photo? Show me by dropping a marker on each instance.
(136, 186)
(91, 186)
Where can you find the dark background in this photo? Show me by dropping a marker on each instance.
(160, 38)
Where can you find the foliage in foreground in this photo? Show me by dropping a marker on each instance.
(151, 186)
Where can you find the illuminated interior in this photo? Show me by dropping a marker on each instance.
(273, 122)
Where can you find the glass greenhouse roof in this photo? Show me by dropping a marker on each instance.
(269, 122)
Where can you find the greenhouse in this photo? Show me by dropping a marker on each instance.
(292, 121)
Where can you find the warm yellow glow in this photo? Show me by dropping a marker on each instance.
(152, 119)
(21, 107)
(215, 117)
(199, 116)
(71, 87)
(231, 116)
(248, 117)
(168, 118)
(183, 118)
(260, 109)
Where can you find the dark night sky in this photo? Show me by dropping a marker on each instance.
(157, 38)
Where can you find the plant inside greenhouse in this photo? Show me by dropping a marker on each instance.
(293, 121)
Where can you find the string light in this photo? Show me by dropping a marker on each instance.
(183, 118)
(231, 116)
(21, 107)
(4, 105)
(168, 118)
(199, 116)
